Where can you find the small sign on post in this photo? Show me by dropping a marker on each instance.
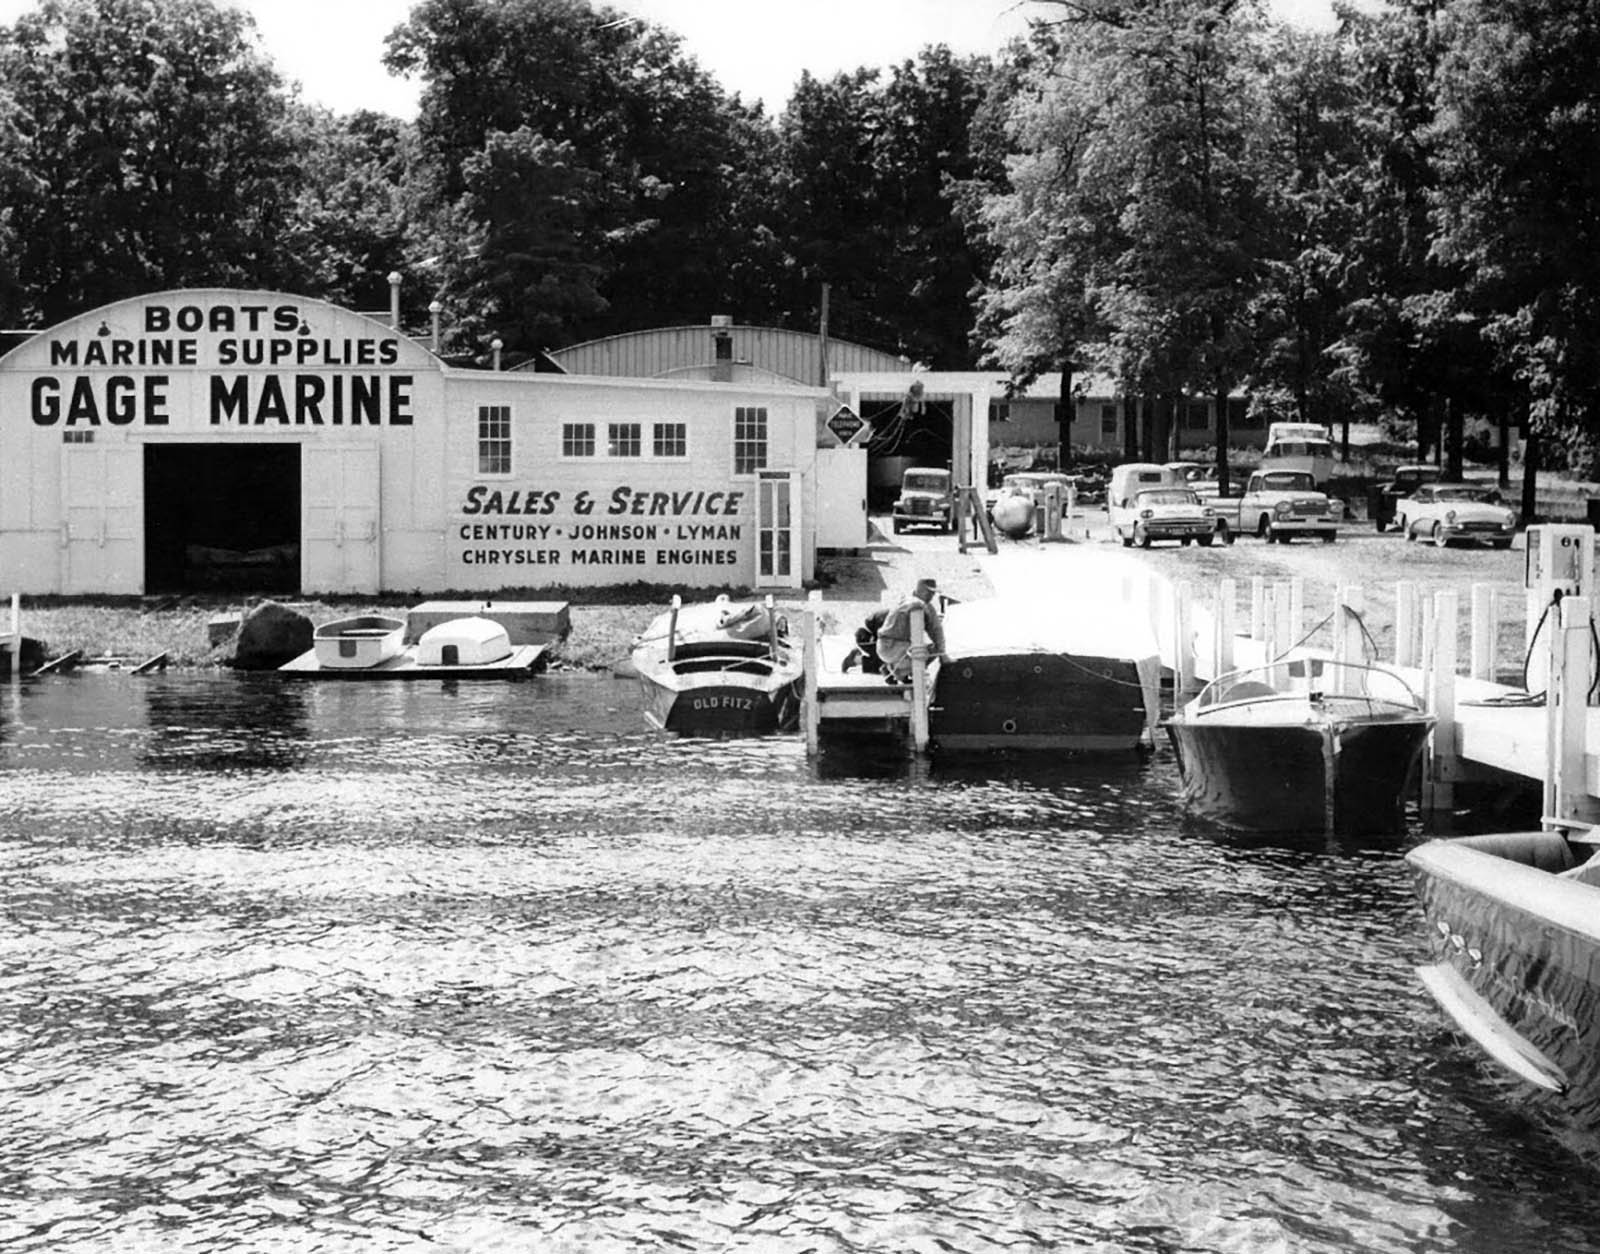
(845, 424)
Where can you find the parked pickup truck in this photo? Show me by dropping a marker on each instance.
(1279, 505)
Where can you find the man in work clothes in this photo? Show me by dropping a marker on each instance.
(894, 637)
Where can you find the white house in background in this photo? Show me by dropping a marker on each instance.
(266, 442)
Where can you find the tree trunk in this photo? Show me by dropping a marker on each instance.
(1503, 455)
(1130, 428)
(1530, 476)
(1064, 420)
(1224, 435)
(1452, 439)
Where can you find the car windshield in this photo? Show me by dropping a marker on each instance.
(1288, 481)
(927, 483)
(1484, 495)
(1168, 496)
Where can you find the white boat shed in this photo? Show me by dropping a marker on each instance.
(218, 439)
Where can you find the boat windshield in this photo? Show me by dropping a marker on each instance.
(1302, 677)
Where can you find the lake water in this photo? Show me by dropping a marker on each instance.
(410, 966)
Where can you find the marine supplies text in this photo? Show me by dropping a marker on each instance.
(271, 369)
(624, 527)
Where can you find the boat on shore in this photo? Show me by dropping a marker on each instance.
(1304, 745)
(375, 646)
(1514, 931)
(360, 642)
(1038, 675)
(722, 668)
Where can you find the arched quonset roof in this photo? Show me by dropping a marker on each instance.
(795, 355)
(236, 328)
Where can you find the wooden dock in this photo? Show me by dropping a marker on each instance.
(1486, 731)
(842, 703)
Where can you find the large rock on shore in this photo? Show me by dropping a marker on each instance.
(270, 635)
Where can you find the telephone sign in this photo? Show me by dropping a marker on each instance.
(846, 424)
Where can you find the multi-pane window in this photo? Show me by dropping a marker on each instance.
(999, 411)
(670, 439)
(1198, 417)
(494, 439)
(1108, 420)
(577, 439)
(749, 439)
(623, 439)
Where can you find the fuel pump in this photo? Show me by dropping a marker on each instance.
(1559, 563)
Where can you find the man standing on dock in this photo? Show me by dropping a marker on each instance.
(894, 637)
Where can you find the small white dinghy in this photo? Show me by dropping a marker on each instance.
(464, 642)
(360, 642)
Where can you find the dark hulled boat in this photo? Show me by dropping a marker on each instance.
(1035, 675)
(1306, 745)
(719, 669)
(1514, 927)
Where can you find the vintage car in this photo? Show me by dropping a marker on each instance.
(927, 499)
(1383, 499)
(1282, 504)
(1448, 512)
(1166, 513)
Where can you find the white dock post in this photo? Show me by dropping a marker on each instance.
(1442, 768)
(1485, 631)
(812, 657)
(919, 682)
(1567, 706)
(1349, 645)
(1269, 634)
(14, 640)
(1226, 624)
(1183, 667)
(1258, 607)
(1297, 610)
(1405, 624)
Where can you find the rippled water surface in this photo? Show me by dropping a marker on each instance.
(410, 966)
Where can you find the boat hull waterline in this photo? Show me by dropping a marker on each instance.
(1514, 932)
(720, 669)
(1350, 777)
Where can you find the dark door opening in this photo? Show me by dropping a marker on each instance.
(222, 518)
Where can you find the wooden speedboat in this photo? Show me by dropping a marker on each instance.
(1025, 674)
(723, 668)
(1307, 745)
(1514, 927)
(359, 642)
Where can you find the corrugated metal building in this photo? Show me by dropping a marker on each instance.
(723, 351)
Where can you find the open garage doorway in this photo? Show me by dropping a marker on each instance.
(222, 518)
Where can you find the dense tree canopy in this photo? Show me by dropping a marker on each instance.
(1395, 219)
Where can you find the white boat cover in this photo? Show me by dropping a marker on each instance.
(1057, 624)
(476, 642)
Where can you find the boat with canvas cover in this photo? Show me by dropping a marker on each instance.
(1514, 930)
(722, 668)
(1307, 744)
(1035, 673)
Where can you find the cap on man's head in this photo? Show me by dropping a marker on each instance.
(927, 581)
